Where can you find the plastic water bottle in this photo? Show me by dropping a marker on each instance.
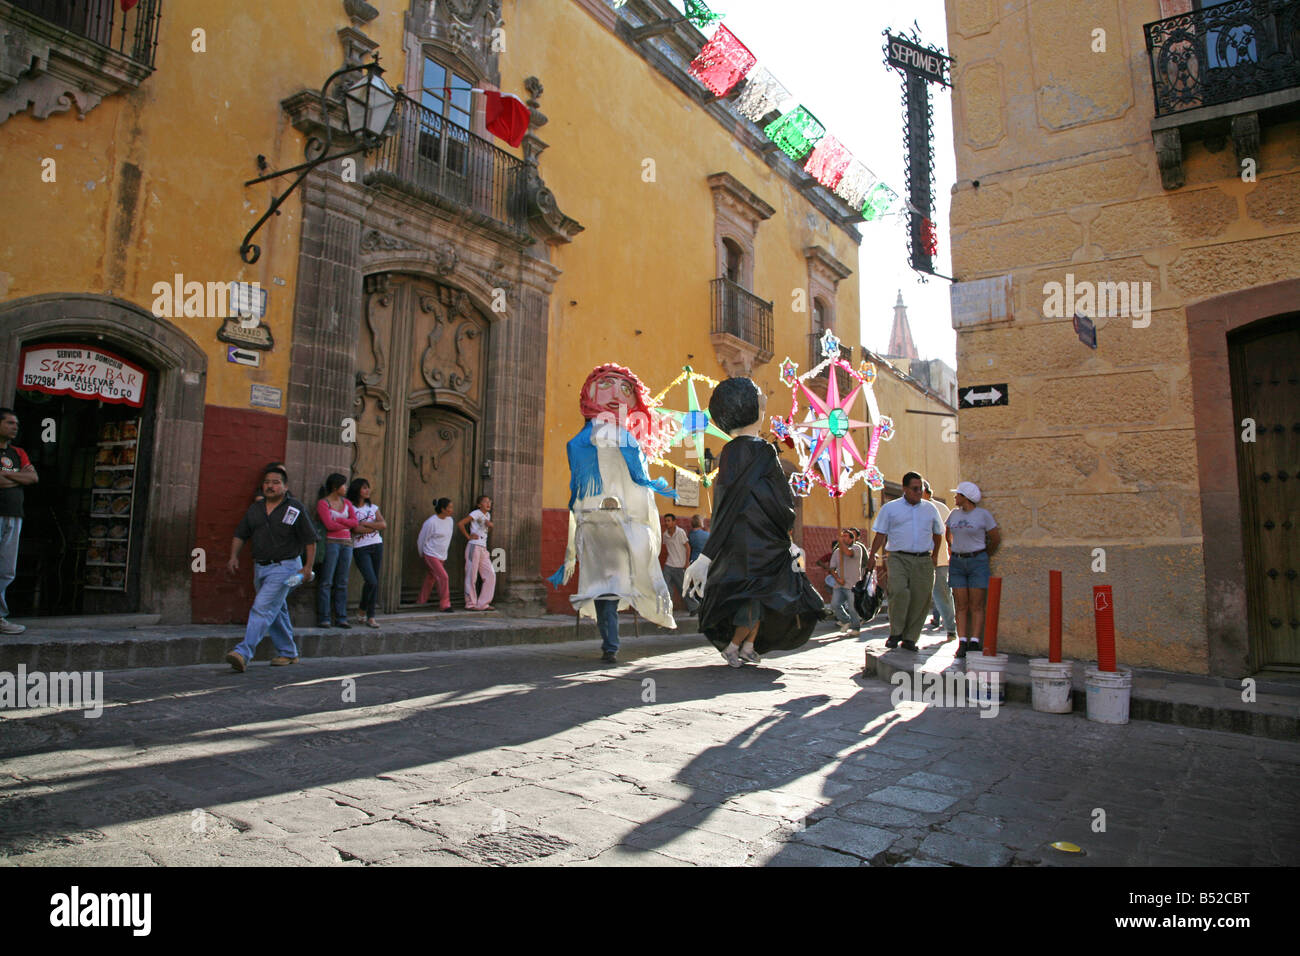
(295, 580)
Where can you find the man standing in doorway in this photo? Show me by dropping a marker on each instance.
(912, 528)
(16, 471)
(280, 527)
(944, 612)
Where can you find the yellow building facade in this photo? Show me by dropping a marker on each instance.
(1133, 168)
(422, 312)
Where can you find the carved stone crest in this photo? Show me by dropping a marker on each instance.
(445, 258)
(375, 241)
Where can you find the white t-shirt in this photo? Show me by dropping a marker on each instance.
(970, 528)
(435, 537)
(853, 573)
(944, 511)
(366, 512)
(679, 548)
(478, 527)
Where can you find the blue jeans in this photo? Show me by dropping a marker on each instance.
(10, 529)
(334, 580)
(368, 560)
(943, 607)
(607, 621)
(269, 614)
(842, 606)
(675, 578)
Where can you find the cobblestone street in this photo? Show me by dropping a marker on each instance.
(539, 754)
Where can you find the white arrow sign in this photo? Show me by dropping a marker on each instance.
(992, 395)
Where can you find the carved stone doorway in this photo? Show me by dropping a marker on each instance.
(440, 453)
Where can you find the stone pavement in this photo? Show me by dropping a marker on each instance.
(541, 755)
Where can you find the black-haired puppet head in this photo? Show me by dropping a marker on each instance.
(736, 403)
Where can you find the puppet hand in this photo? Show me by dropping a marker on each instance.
(797, 553)
(696, 575)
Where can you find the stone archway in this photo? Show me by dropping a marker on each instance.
(182, 370)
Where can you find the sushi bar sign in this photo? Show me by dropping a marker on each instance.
(82, 372)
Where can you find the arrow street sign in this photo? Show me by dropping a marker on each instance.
(978, 396)
(243, 356)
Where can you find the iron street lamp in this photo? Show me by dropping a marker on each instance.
(368, 104)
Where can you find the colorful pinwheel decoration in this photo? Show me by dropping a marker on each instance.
(824, 440)
(693, 423)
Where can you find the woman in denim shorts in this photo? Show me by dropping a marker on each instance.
(973, 537)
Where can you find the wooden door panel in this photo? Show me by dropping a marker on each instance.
(440, 459)
(1266, 389)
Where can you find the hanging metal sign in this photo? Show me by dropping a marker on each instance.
(920, 66)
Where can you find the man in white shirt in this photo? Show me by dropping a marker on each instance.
(678, 547)
(944, 612)
(912, 528)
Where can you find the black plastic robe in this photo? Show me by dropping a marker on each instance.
(749, 547)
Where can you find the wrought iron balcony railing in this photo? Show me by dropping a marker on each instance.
(133, 33)
(1224, 53)
(815, 354)
(436, 159)
(744, 315)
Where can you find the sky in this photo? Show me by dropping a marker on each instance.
(828, 55)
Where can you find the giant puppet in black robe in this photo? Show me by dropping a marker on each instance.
(750, 554)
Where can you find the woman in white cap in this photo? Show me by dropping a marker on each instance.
(973, 537)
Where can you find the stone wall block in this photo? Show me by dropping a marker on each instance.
(1121, 398)
(1228, 267)
(1027, 463)
(1275, 201)
(987, 249)
(1181, 216)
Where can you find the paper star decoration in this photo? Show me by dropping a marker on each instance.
(694, 422)
(828, 429)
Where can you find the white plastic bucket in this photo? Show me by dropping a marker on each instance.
(1050, 685)
(985, 677)
(1108, 695)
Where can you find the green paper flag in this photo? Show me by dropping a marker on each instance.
(700, 15)
(797, 132)
(879, 203)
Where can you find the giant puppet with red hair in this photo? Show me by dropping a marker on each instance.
(614, 529)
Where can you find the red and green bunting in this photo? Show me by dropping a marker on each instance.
(725, 61)
(797, 132)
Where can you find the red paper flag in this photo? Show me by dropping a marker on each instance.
(828, 162)
(507, 116)
(723, 62)
(128, 4)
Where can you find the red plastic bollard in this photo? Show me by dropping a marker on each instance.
(1103, 606)
(991, 617)
(1054, 612)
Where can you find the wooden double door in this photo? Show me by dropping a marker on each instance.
(1265, 360)
(421, 388)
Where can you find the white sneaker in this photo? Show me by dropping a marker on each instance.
(747, 653)
(732, 655)
(8, 628)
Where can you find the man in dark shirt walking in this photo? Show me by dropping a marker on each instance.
(15, 472)
(280, 528)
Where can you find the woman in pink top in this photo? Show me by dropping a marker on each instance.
(338, 517)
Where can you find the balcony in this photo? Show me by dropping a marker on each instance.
(1217, 72)
(742, 327)
(61, 53)
(133, 33)
(448, 166)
